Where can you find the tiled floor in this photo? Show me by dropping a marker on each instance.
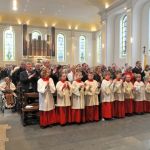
(131, 133)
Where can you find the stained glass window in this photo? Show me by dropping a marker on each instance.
(60, 48)
(82, 48)
(9, 45)
(123, 36)
(99, 47)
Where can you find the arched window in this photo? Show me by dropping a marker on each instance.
(123, 36)
(99, 47)
(82, 48)
(9, 44)
(60, 48)
(36, 34)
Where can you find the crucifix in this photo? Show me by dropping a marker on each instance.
(144, 49)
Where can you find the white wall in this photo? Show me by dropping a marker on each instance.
(72, 45)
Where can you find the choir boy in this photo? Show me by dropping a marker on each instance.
(63, 109)
(119, 105)
(139, 93)
(128, 95)
(147, 94)
(107, 97)
(91, 98)
(78, 101)
(46, 88)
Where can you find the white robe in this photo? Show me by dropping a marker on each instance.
(46, 101)
(139, 91)
(91, 93)
(147, 91)
(63, 95)
(78, 101)
(107, 91)
(128, 90)
(118, 91)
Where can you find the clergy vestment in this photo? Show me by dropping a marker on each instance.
(46, 88)
(91, 100)
(63, 109)
(78, 102)
(107, 99)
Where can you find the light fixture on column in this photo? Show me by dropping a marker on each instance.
(10, 28)
(45, 24)
(19, 21)
(103, 45)
(14, 5)
(131, 40)
(106, 5)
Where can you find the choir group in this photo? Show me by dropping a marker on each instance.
(82, 94)
(80, 102)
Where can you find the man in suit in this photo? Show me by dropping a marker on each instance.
(138, 69)
(28, 79)
(16, 74)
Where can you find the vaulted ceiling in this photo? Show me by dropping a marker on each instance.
(61, 13)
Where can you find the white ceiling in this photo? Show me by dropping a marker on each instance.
(78, 10)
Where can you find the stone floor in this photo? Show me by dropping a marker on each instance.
(131, 133)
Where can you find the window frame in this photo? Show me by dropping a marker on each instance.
(4, 46)
(64, 37)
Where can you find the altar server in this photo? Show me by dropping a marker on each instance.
(63, 109)
(46, 88)
(119, 106)
(147, 94)
(139, 95)
(107, 97)
(78, 101)
(91, 99)
(128, 94)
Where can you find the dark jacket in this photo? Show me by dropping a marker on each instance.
(28, 85)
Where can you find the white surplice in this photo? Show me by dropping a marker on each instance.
(118, 91)
(91, 93)
(46, 100)
(107, 91)
(78, 101)
(63, 95)
(147, 91)
(128, 90)
(139, 92)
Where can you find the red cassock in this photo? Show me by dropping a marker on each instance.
(128, 94)
(107, 99)
(91, 101)
(46, 102)
(78, 102)
(139, 97)
(63, 107)
(119, 104)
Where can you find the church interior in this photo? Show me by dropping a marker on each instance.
(74, 74)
